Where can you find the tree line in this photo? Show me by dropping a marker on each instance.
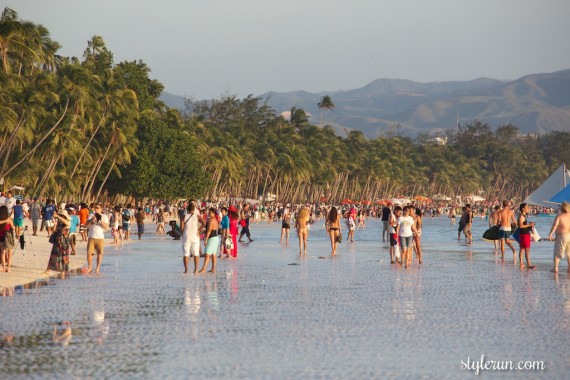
(87, 128)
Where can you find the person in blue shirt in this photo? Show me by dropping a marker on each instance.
(73, 228)
(18, 218)
(47, 214)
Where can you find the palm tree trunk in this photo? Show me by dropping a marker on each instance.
(35, 147)
(105, 180)
(87, 146)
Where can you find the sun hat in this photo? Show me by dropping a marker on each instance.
(565, 206)
(63, 217)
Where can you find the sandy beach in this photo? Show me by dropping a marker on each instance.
(29, 264)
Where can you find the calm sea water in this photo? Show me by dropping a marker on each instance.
(271, 314)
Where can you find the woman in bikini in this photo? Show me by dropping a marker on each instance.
(333, 228)
(301, 223)
(285, 226)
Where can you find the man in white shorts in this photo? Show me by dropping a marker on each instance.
(191, 226)
(561, 226)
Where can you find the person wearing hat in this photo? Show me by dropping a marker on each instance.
(59, 256)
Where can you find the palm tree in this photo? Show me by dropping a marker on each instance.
(326, 103)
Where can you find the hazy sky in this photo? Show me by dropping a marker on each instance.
(205, 48)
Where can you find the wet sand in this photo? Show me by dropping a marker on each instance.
(353, 316)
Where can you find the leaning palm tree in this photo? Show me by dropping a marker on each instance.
(326, 103)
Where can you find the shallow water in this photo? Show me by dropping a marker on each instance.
(271, 314)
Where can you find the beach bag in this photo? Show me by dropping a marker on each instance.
(516, 235)
(534, 235)
(229, 243)
(397, 251)
(339, 238)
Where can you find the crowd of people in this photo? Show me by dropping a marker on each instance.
(221, 226)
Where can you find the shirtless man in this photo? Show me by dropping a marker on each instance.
(506, 217)
(561, 227)
(494, 221)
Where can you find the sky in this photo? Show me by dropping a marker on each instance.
(208, 48)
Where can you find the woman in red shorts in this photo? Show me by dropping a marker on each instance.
(525, 229)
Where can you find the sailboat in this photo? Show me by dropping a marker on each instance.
(556, 183)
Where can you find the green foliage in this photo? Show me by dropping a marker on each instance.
(86, 128)
(166, 166)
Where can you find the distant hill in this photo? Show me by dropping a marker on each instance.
(537, 103)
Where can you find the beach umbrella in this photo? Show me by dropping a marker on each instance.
(365, 203)
(323, 199)
(400, 201)
(440, 197)
(346, 202)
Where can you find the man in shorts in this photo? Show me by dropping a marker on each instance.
(47, 214)
(191, 226)
(96, 226)
(561, 227)
(35, 215)
(506, 218)
(83, 216)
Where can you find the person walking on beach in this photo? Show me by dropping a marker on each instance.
(406, 230)
(225, 227)
(506, 218)
(83, 216)
(234, 219)
(35, 215)
(333, 228)
(416, 214)
(393, 223)
(59, 256)
(139, 217)
(47, 213)
(525, 229)
(116, 224)
(7, 239)
(561, 227)
(211, 240)
(494, 221)
(285, 226)
(452, 215)
(245, 217)
(351, 224)
(191, 226)
(302, 226)
(386, 212)
(127, 216)
(96, 226)
(73, 228)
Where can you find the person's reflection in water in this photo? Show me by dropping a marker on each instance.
(65, 336)
(232, 277)
(193, 304)
(101, 326)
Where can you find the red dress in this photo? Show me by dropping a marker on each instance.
(234, 234)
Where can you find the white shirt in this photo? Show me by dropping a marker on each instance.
(406, 223)
(10, 203)
(96, 231)
(190, 232)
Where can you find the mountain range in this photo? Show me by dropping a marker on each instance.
(536, 103)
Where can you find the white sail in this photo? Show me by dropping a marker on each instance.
(556, 182)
